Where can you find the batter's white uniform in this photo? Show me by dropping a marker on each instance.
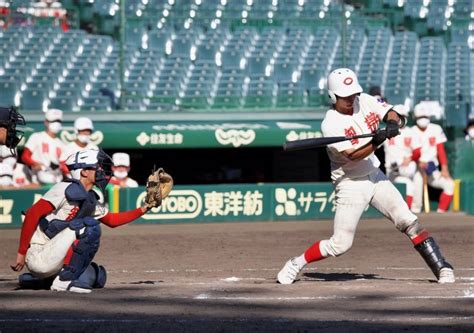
(45, 256)
(398, 149)
(359, 183)
(428, 140)
(47, 151)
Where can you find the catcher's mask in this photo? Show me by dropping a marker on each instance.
(94, 159)
(10, 119)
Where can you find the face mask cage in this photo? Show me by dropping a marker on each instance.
(14, 135)
(103, 170)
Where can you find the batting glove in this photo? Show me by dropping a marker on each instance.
(392, 129)
(379, 137)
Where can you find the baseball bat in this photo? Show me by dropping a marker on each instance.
(320, 142)
(426, 197)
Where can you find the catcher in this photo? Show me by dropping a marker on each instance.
(61, 232)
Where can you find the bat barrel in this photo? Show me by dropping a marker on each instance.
(319, 142)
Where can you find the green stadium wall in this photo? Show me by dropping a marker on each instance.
(206, 203)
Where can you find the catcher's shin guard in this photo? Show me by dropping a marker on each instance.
(83, 253)
(95, 276)
(431, 254)
(29, 281)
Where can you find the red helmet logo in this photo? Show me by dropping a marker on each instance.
(348, 81)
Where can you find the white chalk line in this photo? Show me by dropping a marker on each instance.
(240, 320)
(263, 298)
(314, 298)
(329, 269)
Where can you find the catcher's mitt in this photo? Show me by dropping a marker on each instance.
(158, 186)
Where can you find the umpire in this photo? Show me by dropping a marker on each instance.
(10, 136)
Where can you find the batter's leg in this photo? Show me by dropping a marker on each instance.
(389, 202)
(352, 197)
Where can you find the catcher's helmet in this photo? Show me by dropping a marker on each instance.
(342, 82)
(91, 159)
(10, 119)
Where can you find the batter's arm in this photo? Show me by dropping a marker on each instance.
(359, 153)
(392, 115)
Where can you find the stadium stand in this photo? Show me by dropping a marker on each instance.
(208, 55)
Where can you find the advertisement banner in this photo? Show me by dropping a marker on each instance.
(14, 202)
(221, 203)
(192, 134)
(208, 203)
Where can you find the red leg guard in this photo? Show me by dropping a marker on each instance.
(421, 237)
(67, 258)
(313, 253)
(444, 202)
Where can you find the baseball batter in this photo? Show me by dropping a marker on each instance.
(431, 156)
(61, 232)
(358, 180)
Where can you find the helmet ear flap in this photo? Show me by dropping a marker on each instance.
(332, 97)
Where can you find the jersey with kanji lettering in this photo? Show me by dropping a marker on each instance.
(45, 149)
(63, 209)
(400, 147)
(428, 141)
(368, 112)
(73, 147)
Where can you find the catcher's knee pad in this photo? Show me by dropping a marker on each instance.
(83, 253)
(30, 281)
(95, 276)
(431, 254)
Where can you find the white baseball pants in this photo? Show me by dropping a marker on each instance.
(353, 197)
(46, 259)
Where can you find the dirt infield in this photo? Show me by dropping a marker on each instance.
(221, 277)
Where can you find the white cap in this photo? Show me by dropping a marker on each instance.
(121, 159)
(83, 123)
(6, 169)
(421, 110)
(54, 115)
(343, 82)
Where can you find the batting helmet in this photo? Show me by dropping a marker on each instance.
(342, 82)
